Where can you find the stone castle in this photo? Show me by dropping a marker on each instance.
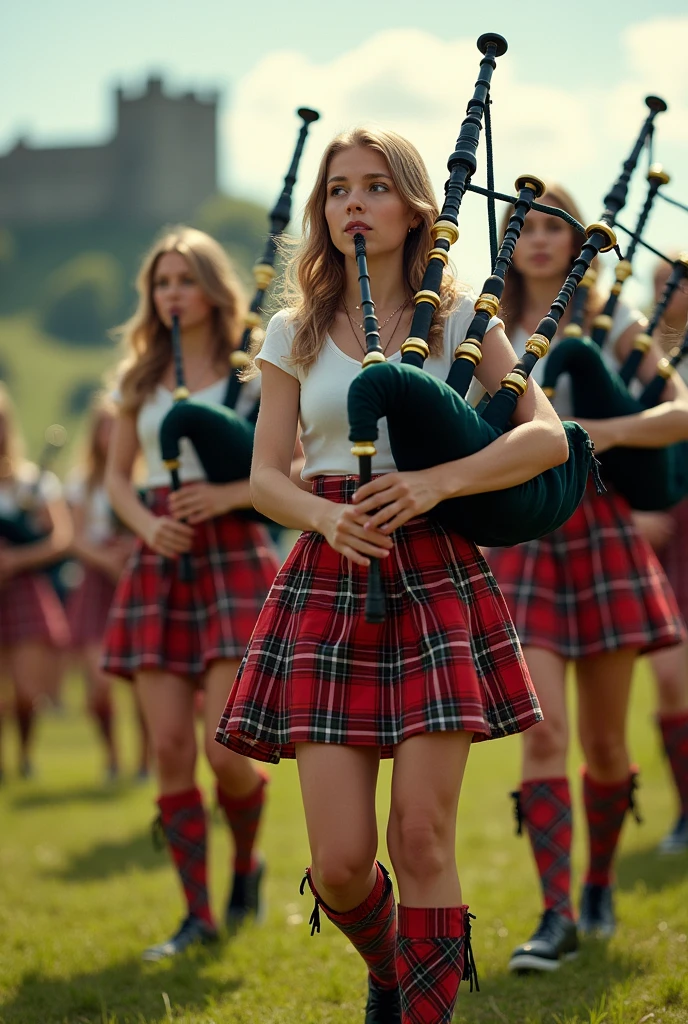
(160, 164)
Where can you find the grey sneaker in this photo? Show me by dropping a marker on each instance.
(193, 931)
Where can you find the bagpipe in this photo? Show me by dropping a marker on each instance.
(430, 422)
(23, 526)
(223, 439)
(651, 479)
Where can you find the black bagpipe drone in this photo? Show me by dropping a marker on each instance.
(429, 421)
(651, 479)
(223, 439)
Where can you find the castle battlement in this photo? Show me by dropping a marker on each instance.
(159, 165)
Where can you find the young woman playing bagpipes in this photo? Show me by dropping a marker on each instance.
(32, 621)
(591, 593)
(320, 684)
(168, 634)
(666, 531)
(103, 547)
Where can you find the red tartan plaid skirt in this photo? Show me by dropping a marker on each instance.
(88, 608)
(447, 658)
(674, 557)
(158, 622)
(594, 585)
(30, 610)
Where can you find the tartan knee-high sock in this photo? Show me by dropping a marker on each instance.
(606, 804)
(545, 807)
(371, 927)
(243, 816)
(182, 817)
(433, 956)
(675, 736)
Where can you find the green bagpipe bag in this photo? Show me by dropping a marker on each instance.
(430, 424)
(650, 479)
(222, 439)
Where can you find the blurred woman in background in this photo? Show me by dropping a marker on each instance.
(668, 534)
(171, 636)
(32, 621)
(592, 593)
(103, 545)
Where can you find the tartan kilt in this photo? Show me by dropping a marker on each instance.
(158, 622)
(674, 557)
(30, 611)
(88, 607)
(447, 658)
(593, 585)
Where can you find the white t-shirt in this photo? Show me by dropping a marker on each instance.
(624, 316)
(154, 410)
(97, 510)
(325, 387)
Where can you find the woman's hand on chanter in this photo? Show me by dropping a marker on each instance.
(398, 497)
(345, 530)
(168, 537)
(195, 503)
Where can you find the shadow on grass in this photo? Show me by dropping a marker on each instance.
(37, 799)
(128, 991)
(654, 870)
(112, 858)
(546, 997)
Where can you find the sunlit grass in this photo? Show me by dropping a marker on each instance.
(82, 892)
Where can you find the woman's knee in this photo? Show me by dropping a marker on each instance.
(547, 740)
(421, 841)
(605, 753)
(174, 751)
(340, 867)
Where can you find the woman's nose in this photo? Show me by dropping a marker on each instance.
(355, 202)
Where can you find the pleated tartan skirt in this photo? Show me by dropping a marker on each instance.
(447, 658)
(30, 611)
(674, 557)
(88, 608)
(158, 622)
(594, 585)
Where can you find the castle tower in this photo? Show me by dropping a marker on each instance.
(164, 154)
(160, 165)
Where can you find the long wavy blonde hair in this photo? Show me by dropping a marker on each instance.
(146, 340)
(315, 278)
(93, 459)
(513, 299)
(12, 452)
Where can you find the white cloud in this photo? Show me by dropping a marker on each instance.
(419, 85)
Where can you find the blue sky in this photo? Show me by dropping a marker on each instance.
(567, 96)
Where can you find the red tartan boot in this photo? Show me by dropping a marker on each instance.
(606, 804)
(371, 929)
(183, 822)
(544, 806)
(433, 956)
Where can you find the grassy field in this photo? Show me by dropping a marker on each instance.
(82, 891)
(41, 374)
